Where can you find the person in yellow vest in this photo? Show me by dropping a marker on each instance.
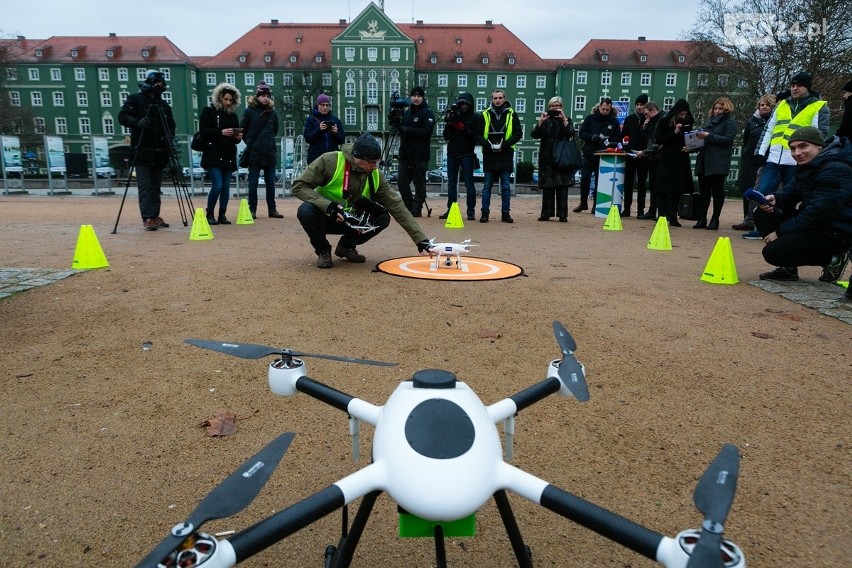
(802, 108)
(497, 130)
(345, 194)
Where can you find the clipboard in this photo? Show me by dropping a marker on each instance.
(691, 140)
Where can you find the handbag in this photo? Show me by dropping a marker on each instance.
(197, 143)
(566, 156)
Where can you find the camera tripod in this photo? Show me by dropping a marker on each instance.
(185, 206)
(387, 161)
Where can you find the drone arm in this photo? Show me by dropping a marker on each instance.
(593, 517)
(269, 531)
(324, 393)
(507, 407)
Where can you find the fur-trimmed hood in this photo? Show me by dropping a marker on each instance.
(251, 101)
(219, 91)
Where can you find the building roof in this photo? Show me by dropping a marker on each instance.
(105, 49)
(15, 47)
(308, 46)
(626, 53)
(472, 42)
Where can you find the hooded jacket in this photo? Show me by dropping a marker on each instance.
(415, 133)
(322, 170)
(219, 151)
(823, 190)
(260, 125)
(150, 145)
(459, 135)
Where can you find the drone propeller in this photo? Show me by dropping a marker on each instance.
(570, 370)
(713, 497)
(228, 498)
(252, 351)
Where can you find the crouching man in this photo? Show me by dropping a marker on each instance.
(809, 221)
(345, 194)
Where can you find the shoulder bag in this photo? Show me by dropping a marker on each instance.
(566, 156)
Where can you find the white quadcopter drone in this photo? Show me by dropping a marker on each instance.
(447, 250)
(434, 428)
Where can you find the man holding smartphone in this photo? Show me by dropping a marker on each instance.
(323, 131)
(809, 221)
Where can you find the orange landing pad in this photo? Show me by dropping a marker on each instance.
(472, 268)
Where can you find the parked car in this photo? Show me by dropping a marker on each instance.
(106, 172)
(197, 173)
(436, 175)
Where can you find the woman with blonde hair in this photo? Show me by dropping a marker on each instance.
(749, 163)
(553, 125)
(714, 161)
(218, 126)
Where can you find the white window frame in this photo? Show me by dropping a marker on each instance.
(540, 81)
(61, 124)
(349, 54)
(521, 82)
(538, 106)
(326, 79)
(123, 75)
(58, 99)
(501, 81)
(14, 98)
(103, 74)
(443, 80)
(645, 80)
(230, 78)
(248, 78)
(287, 79)
(372, 54)
(85, 124)
(211, 79)
(626, 78)
(482, 81)
(36, 99)
(108, 125)
(33, 73)
(106, 98)
(606, 78)
(579, 103)
(671, 79)
(269, 79)
(56, 74)
(349, 116)
(520, 105)
(79, 73)
(582, 77)
(461, 80)
(82, 99)
(395, 53)
(39, 125)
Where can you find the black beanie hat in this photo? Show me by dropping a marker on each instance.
(808, 134)
(642, 99)
(418, 90)
(367, 147)
(802, 78)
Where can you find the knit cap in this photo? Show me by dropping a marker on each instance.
(367, 147)
(808, 134)
(263, 89)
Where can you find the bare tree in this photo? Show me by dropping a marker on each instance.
(768, 41)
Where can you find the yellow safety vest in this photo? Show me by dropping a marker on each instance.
(786, 124)
(333, 190)
(486, 116)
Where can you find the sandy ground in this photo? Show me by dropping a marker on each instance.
(101, 447)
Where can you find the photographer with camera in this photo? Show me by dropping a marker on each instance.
(152, 131)
(497, 131)
(345, 194)
(323, 131)
(459, 119)
(415, 132)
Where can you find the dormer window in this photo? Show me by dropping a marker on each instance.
(603, 54)
(110, 53)
(433, 57)
(720, 59)
(681, 58)
(643, 58)
(458, 40)
(267, 58)
(319, 56)
(420, 39)
(299, 38)
(39, 53)
(74, 53)
(485, 60)
(242, 58)
(510, 58)
(146, 53)
(459, 58)
(604, 57)
(294, 57)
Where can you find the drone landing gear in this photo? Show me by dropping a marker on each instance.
(341, 555)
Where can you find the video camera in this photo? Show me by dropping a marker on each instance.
(398, 105)
(452, 114)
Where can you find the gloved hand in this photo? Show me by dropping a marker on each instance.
(334, 210)
(143, 122)
(458, 125)
(423, 246)
(600, 137)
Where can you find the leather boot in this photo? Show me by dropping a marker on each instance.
(713, 225)
(211, 219)
(222, 219)
(702, 223)
(673, 220)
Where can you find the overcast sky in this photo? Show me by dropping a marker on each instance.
(207, 27)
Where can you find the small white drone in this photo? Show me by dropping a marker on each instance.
(437, 453)
(447, 250)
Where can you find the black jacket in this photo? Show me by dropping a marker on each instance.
(596, 124)
(319, 141)
(549, 132)
(504, 158)
(219, 151)
(631, 133)
(459, 134)
(152, 144)
(749, 162)
(822, 188)
(845, 128)
(415, 133)
(260, 125)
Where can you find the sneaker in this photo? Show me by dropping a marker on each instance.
(324, 259)
(832, 271)
(444, 216)
(506, 218)
(782, 274)
(752, 235)
(161, 223)
(349, 254)
(150, 224)
(743, 226)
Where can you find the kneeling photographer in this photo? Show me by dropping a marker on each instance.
(415, 132)
(458, 133)
(345, 194)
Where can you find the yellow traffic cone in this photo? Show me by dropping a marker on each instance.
(613, 220)
(454, 219)
(244, 214)
(720, 268)
(660, 239)
(88, 253)
(200, 227)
